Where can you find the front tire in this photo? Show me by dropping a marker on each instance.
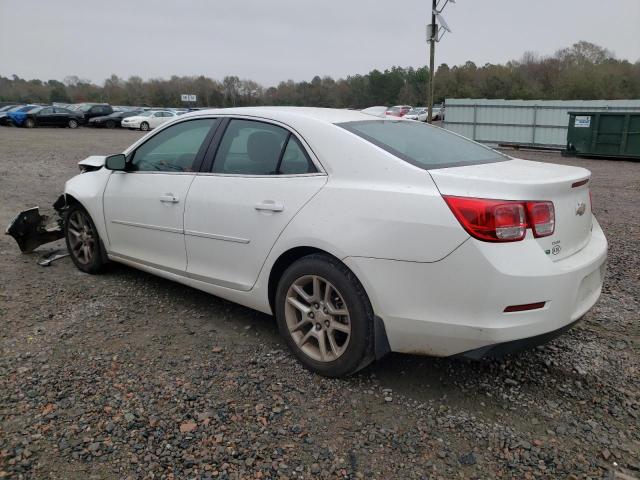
(110, 124)
(325, 316)
(144, 126)
(73, 123)
(83, 242)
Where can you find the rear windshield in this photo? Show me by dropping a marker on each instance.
(422, 145)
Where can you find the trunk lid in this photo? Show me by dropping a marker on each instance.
(518, 179)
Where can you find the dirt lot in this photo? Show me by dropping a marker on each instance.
(124, 375)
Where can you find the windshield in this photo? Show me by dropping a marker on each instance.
(416, 111)
(28, 108)
(423, 145)
(148, 113)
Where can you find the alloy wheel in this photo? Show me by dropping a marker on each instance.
(317, 318)
(82, 237)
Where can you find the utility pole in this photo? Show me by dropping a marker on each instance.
(432, 56)
(434, 35)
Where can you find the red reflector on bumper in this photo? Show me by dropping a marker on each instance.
(526, 306)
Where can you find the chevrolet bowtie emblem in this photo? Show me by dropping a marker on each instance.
(581, 208)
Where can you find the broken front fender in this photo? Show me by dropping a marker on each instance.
(30, 229)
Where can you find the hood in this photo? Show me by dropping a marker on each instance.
(94, 161)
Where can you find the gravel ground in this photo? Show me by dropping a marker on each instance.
(124, 375)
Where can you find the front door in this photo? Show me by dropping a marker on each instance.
(46, 117)
(144, 206)
(261, 177)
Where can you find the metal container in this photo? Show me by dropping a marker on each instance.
(606, 134)
(527, 123)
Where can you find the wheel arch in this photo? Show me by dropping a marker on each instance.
(287, 258)
(69, 200)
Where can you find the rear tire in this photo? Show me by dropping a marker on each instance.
(325, 316)
(29, 123)
(73, 123)
(83, 242)
(144, 126)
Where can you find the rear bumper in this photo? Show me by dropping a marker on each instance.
(457, 305)
(499, 350)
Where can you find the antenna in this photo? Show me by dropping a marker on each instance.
(442, 22)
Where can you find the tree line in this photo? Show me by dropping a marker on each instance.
(583, 71)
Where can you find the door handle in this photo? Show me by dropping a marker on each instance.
(169, 198)
(270, 206)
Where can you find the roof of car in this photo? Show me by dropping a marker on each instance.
(284, 114)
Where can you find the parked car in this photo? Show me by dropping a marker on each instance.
(19, 115)
(113, 120)
(378, 111)
(91, 110)
(147, 120)
(420, 113)
(417, 113)
(51, 117)
(6, 108)
(398, 110)
(4, 118)
(362, 235)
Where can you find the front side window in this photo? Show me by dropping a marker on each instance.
(45, 111)
(422, 145)
(173, 149)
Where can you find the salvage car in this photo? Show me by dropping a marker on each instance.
(19, 115)
(361, 234)
(398, 110)
(51, 117)
(147, 120)
(4, 120)
(113, 120)
(417, 113)
(91, 110)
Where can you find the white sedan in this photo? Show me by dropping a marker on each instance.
(148, 120)
(362, 235)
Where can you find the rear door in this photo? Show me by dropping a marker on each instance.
(262, 175)
(144, 206)
(46, 117)
(157, 119)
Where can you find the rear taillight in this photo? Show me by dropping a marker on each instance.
(502, 220)
(542, 218)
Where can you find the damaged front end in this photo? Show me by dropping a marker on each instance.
(30, 229)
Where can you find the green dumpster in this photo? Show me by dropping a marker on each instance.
(604, 134)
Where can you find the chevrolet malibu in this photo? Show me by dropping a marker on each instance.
(361, 234)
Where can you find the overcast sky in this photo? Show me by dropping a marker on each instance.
(273, 40)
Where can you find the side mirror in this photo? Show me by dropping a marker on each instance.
(116, 162)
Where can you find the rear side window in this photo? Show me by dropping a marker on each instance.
(422, 145)
(295, 160)
(257, 148)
